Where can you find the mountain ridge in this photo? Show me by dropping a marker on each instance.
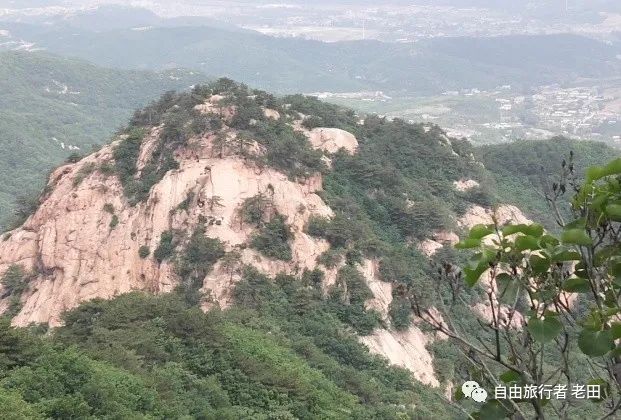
(424, 67)
(53, 107)
(225, 232)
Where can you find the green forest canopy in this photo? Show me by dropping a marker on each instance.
(35, 109)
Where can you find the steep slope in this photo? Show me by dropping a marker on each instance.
(52, 107)
(79, 255)
(199, 186)
(230, 199)
(520, 170)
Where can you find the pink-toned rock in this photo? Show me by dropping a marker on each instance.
(445, 237)
(382, 291)
(506, 319)
(69, 240)
(406, 349)
(465, 184)
(271, 113)
(213, 106)
(331, 140)
(429, 247)
(477, 215)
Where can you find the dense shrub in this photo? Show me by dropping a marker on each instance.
(126, 156)
(254, 209)
(166, 248)
(273, 238)
(144, 251)
(330, 258)
(25, 206)
(400, 313)
(200, 254)
(317, 226)
(196, 261)
(349, 297)
(108, 208)
(14, 282)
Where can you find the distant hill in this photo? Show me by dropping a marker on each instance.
(51, 107)
(519, 169)
(288, 65)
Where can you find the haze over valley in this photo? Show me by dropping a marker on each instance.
(484, 71)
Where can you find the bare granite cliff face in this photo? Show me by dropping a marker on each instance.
(89, 240)
(84, 240)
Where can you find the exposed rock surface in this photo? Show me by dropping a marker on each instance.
(429, 247)
(331, 140)
(406, 349)
(477, 215)
(465, 184)
(271, 113)
(440, 239)
(402, 348)
(382, 291)
(79, 255)
(84, 240)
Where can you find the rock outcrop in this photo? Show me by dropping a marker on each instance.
(83, 242)
(331, 140)
(407, 349)
(86, 240)
(465, 184)
(477, 215)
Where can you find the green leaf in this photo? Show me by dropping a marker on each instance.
(615, 330)
(598, 202)
(524, 243)
(566, 255)
(595, 343)
(593, 321)
(548, 240)
(479, 265)
(576, 224)
(577, 285)
(510, 376)
(576, 237)
(614, 212)
(535, 230)
(472, 275)
(544, 330)
(480, 231)
(539, 264)
(613, 168)
(468, 244)
(508, 288)
(598, 172)
(594, 173)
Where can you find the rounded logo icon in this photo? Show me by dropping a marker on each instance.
(468, 387)
(479, 395)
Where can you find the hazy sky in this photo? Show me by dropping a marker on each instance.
(211, 7)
